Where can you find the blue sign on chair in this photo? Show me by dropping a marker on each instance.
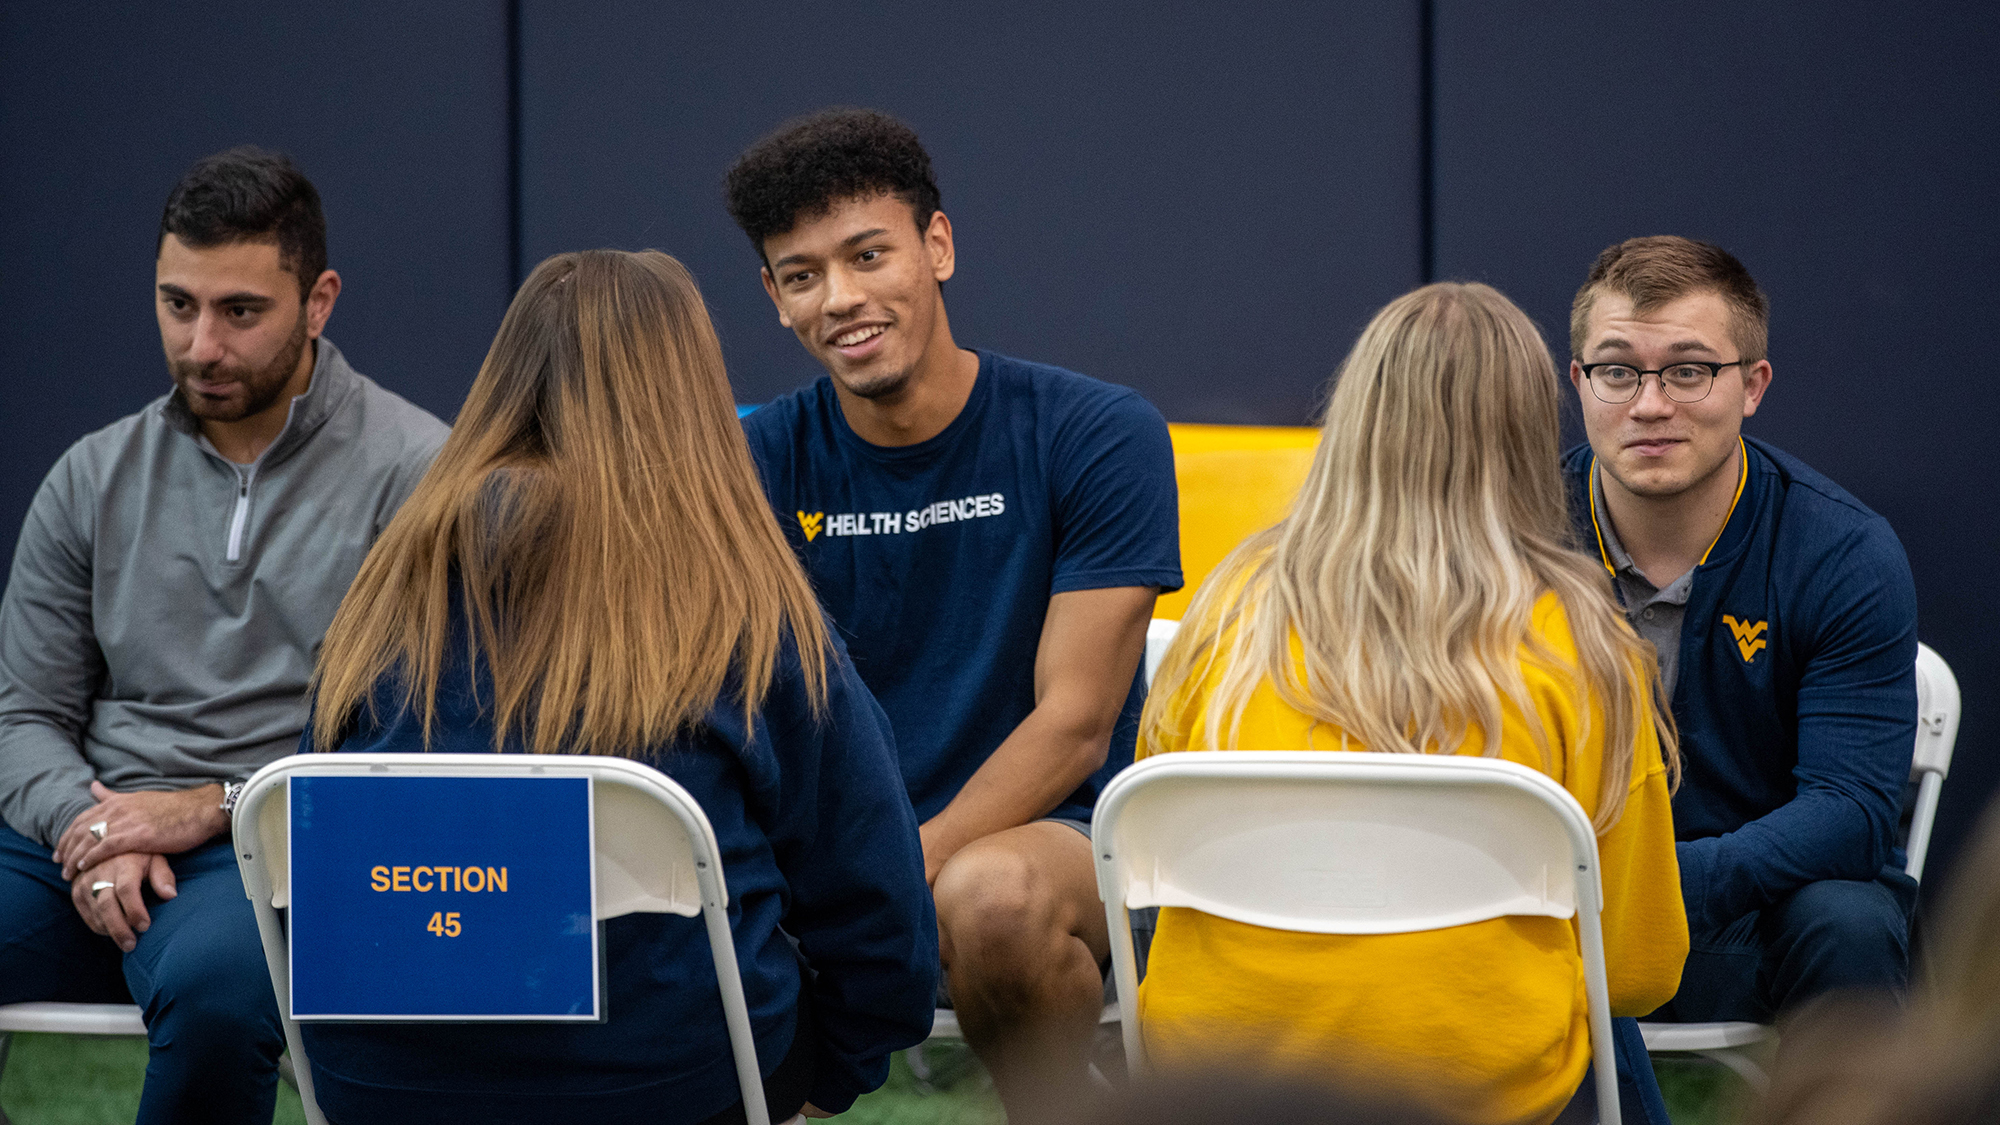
(443, 898)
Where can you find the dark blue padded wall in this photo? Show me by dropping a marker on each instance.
(397, 112)
(1202, 203)
(1203, 206)
(1845, 152)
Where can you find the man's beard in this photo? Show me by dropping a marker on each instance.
(260, 388)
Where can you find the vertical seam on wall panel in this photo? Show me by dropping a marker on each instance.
(513, 146)
(1427, 139)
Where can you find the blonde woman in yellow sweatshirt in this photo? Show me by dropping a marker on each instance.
(1423, 597)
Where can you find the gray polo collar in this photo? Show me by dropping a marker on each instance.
(1631, 578)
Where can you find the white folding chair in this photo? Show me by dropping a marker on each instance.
(1159, 634)
(1744, 1046)
(1337, 842)
(51, 1017)
(656, 853)
(1938, 707)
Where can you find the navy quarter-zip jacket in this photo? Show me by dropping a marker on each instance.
(1796, 698)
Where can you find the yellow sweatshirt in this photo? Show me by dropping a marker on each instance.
(1491, 1016)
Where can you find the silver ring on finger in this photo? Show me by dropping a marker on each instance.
(99, 829)
(101, 886)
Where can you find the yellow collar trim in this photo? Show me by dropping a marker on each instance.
(1742, 478)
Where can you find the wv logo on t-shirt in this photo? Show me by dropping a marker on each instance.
(844, 524)
(1748, 636)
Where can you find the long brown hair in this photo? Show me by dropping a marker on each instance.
(596, 513)
(1431, 521)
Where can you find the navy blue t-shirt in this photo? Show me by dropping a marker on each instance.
(937, 560)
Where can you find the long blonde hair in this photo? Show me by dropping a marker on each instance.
(596, 514)
(1431, 521)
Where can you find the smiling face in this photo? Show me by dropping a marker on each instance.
(1653, 446)
(859, 286)
(234, 328)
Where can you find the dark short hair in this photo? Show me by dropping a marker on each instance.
(811, 163)
(1663, 268)
(249, 194)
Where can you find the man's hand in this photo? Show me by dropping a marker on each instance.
(155, 824)
(811, 1110)
(119, 911)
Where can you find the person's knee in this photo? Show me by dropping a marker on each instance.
(207, 983)
(1836, 935)
(991, 899)
(1843, 915)
(214, 1014)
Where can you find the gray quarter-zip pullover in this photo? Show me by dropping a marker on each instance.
(165, 606)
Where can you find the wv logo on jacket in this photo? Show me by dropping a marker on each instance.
(810, 524)
(1749, 636)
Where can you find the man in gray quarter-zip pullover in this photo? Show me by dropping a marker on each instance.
(170, 587)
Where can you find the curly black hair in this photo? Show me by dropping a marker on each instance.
(249, 194)
(811, 163)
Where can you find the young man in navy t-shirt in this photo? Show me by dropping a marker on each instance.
(989, 536)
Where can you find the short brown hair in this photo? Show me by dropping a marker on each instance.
(1661, 268)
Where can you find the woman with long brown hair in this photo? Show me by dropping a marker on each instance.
(590, 567)
(1423, 596)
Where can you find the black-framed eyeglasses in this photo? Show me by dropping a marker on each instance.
(1686, 381)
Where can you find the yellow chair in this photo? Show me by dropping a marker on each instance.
(1234, 482)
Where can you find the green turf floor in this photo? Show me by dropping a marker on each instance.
(81, 1080)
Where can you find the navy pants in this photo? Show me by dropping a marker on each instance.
(1639, 1100)
(197, 974)
(1827, 936)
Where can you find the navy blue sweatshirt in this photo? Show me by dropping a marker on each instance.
(817, 837)
(1796, 697)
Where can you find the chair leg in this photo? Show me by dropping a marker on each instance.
(1746, 1066)
(6, 1044)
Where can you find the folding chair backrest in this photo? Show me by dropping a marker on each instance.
(1343, 843)
(655, 853)
(1159, 634)
(1349, 843)
(645, 859)
(1938, 707)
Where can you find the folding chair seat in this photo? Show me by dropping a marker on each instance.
(1745, 1047)
(52, 1018)
(1438, 840)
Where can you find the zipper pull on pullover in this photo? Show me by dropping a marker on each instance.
(242, 515)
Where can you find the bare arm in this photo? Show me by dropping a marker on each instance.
(1092, 641)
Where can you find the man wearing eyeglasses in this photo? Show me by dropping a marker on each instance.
(1785, 621)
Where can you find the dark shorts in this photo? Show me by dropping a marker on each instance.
(1082, 826)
